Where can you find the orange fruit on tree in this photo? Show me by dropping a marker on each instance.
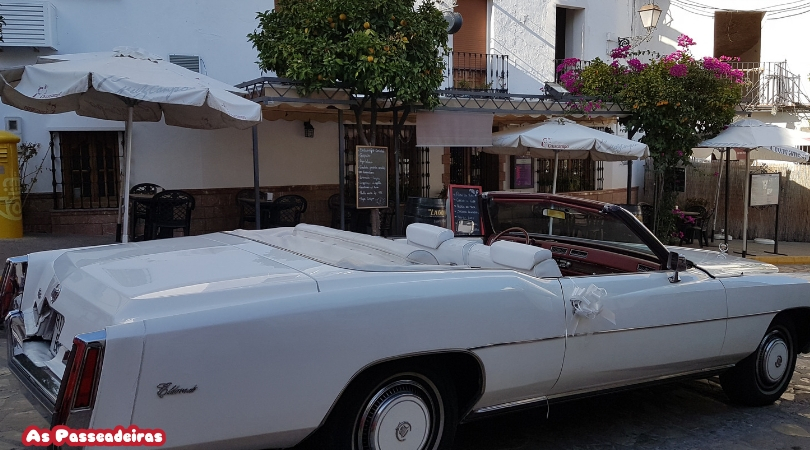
(366, 25)
(342, 17)
(403, 22)
(386, 48)
(332, 24)
(370, 58)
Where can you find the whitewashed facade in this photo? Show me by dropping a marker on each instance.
(525, 30)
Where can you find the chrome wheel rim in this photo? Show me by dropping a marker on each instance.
(773, 362)
(401, 415)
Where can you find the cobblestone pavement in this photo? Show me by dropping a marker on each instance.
(692, 415)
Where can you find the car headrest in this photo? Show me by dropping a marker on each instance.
(427, 235)
(519, 256)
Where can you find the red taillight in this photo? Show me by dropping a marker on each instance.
(80, 382)
(87, 379)
(8, 290)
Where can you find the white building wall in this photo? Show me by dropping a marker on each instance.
(170, 156)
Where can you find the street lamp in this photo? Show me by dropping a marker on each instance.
(649, 13)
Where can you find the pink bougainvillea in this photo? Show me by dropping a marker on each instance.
(679, 70)
(685, 41)
(636, 65)
(620, 52)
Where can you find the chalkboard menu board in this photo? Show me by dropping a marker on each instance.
(465, 209)
(372, 177)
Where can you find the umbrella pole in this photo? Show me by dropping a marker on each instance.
(128, 158)
(728, 192)
(745, 205)
(257, 207)
(717, 195)
(556, 161)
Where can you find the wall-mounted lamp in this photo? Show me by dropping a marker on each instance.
(309, 130)
(649, 14)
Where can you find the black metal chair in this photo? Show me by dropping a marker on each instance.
(286, 211)
(694, 226)
(140, 210)
(169, 210)
(247, 211)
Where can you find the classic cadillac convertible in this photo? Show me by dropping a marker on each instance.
(255, 339)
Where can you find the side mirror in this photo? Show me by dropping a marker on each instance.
(677, 263)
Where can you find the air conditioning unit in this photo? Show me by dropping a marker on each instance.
(29, 24)
(191, 62)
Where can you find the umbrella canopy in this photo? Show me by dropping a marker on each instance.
(127, 85)
(752, 133)
(759, 140)
(549, 139)
(103, 85)
(775, 153)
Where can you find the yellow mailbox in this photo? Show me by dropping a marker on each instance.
(10, 205)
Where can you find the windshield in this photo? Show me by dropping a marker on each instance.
(543, 217)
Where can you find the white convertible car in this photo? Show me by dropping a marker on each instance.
(256, 339)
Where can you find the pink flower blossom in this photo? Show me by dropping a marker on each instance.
(674, 56)
(568, 63)
(679, 70)
(685, 41)
(680, 153)
(620, 52)
(636, 65)
(570, 80)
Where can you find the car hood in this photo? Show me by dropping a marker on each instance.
(100, 286)
(721, 265)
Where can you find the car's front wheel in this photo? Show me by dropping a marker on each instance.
(400, 409)
(762, 377)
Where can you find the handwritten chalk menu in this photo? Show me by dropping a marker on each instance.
(372, 177)
(765, 189)
(465, 209)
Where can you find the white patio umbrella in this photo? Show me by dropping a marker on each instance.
(127, 85)
(553, 137)
(765, 141)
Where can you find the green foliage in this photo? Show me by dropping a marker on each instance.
(374, 46)
(675, 100)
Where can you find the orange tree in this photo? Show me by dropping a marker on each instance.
(377, 48)
(388, 53)
(676, 102)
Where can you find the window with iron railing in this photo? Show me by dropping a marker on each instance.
(477, 72)
(88, 162)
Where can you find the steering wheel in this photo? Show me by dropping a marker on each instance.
(525, 233)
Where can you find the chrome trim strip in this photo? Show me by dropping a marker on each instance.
(606, 389)
(689, 374)
(508, 405)
(673, 324)
(528, 341)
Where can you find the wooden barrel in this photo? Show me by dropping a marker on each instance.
(425, 210)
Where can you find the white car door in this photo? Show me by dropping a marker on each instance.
(640, 327)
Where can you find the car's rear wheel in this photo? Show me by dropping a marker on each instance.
(400, 409)
(762, 377)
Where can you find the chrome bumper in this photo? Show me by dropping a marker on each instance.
(41, 385)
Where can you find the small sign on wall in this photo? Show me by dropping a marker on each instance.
(522, 172)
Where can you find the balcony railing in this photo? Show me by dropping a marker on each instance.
(771, 86)
(579, 65)
(477, 72)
